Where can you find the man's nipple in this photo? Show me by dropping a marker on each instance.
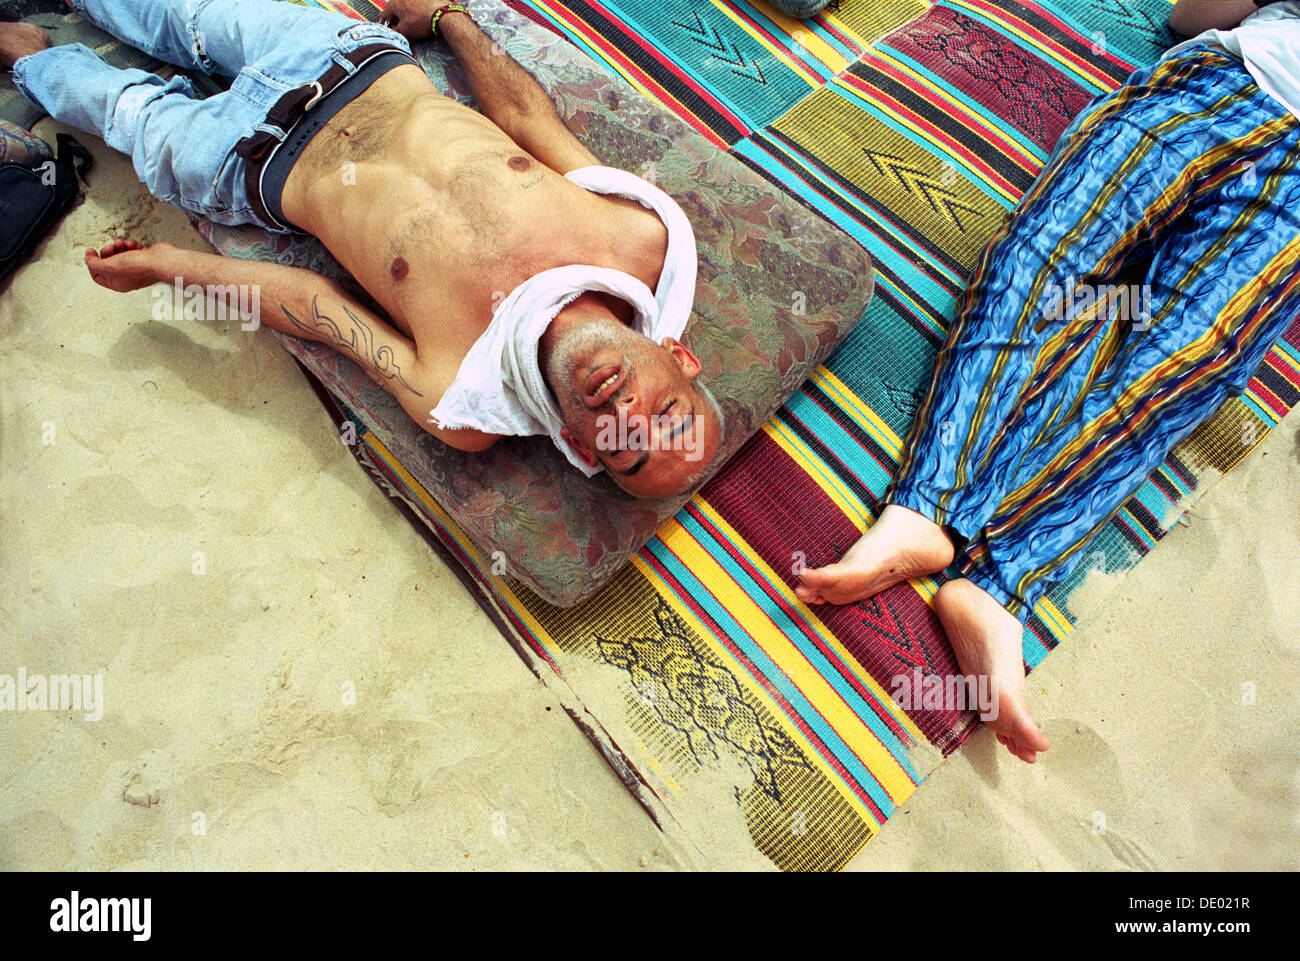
(520, 164)
(400, 268)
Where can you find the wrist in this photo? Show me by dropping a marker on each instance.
(450, 18)
(167, 264)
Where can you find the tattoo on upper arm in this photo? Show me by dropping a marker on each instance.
(358, 340)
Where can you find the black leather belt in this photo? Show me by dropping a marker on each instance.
(286, 113)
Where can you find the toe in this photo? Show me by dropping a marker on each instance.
(814, 583)
(1017, 750)
(817, 576)
(1027, 734)
(807, 594)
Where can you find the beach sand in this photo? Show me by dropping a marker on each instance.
(294, 680)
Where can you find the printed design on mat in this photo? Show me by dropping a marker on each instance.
(1033, 91)
(905, 398)
(721, 48)
(1130, 15)
(800, 813)
(920, 182)
(906, 644)
(697, 695)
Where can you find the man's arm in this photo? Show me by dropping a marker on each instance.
(296, 302)
(506, 93)
(1191, 17)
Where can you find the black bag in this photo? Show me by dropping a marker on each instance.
(33, 199)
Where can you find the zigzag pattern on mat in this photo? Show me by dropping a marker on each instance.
(725, 68)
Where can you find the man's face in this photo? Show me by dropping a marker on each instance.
(632, 406)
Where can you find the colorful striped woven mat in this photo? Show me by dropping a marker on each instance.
(915, 128)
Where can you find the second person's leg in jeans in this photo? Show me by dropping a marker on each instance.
(183, 148)
(224, 36)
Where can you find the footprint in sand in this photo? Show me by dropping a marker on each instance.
(1084, 765)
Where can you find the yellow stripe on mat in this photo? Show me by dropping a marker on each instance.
(825, 633)
(798, 451)
(817, 48)
(857, 735)
(866, 418)
(1053, 617)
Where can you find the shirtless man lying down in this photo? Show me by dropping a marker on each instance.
(527, 290)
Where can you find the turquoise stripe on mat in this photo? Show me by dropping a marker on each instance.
(797, 632)
(770, 675)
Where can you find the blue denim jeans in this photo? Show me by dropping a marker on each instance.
(182, 147)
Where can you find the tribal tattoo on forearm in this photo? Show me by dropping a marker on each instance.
(359, 341)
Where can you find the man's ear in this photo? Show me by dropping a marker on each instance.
(584, 455)
(687, 361)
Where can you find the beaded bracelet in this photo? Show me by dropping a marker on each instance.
(437, 15)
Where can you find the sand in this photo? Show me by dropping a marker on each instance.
(294, 680)
(1174, 712)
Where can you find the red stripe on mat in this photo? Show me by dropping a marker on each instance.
(779, 510)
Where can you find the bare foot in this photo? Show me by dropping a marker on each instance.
(900, 545)
(21, 40)
(987, 640)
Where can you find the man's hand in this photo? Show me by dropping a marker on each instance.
(127, 265)
(412, 18)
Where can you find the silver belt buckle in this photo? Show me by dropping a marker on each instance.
(320, 92)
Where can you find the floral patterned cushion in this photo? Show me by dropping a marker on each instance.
(778, 289)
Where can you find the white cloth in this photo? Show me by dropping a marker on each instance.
(1269, 42)
(499, 387)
